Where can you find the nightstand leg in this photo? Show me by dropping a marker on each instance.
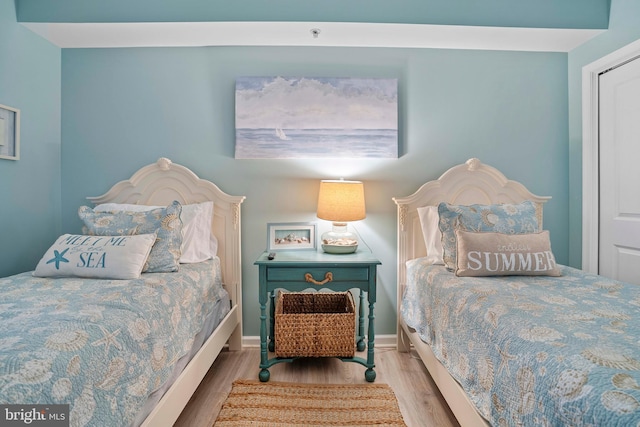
(264, 373)
(264, 359)
(370, 374)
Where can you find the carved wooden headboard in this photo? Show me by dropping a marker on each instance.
(472, 182)
(163, 182)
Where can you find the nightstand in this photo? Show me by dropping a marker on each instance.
(301, 270)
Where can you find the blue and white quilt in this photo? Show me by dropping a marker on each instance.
(533, 351)
(101, 346)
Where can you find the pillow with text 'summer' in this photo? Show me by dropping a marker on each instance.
(499, 254)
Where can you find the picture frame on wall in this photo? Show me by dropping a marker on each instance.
(9, 133)
(279, 117)
(291, 236)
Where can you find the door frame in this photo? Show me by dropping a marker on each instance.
(591, 146)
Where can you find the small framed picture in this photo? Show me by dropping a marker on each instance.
(291, 236)
(9, 133)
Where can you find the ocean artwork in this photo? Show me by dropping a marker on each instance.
(312, 117)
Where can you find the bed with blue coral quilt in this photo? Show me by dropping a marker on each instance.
(104, 346)
(533, 351)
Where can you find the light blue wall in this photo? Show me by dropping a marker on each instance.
(624, 28)
(124, 108)
(501, 107)
(29, 187)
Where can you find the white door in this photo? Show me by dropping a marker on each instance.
(619, 180)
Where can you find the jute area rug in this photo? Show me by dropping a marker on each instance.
(278, 404)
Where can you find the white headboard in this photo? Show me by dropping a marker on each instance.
(469, 183)
(163, 182)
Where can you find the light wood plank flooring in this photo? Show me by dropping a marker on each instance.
(419, 399)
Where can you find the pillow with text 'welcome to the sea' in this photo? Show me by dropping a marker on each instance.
(100, 257)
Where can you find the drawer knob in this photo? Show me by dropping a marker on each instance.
(328, 277)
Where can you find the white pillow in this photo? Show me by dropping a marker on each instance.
(431, 232)
(198, 243)
(100, 257)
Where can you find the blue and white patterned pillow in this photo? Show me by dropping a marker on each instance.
(521, 218)
(166, 222)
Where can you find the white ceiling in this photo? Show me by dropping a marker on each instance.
(156, 34)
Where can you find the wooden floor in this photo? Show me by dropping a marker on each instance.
(420, 401)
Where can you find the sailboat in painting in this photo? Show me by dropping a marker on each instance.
(280, 134)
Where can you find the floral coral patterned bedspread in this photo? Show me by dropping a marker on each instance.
(533, 351)
(101, 346)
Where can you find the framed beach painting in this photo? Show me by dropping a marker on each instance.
(313, 117)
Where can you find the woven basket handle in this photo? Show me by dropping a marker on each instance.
(328, 277)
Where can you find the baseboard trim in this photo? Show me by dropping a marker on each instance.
(382, 341)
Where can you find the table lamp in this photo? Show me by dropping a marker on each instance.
(340, 201)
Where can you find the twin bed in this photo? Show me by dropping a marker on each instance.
(511, 340)
(131, 351)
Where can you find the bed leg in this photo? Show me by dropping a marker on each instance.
(403, 343)
(235, 340)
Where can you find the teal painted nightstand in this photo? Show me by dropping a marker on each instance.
(302, 270)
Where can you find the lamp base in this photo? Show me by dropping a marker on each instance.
(339, 240)
(339, 249)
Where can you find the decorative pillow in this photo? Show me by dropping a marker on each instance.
(100, 257)
(198, 243)
(518, 218)
(498, 254)
(431, 233)
(165, 254)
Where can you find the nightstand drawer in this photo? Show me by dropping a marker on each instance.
(339, 274)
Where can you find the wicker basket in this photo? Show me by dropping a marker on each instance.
(315, 324)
